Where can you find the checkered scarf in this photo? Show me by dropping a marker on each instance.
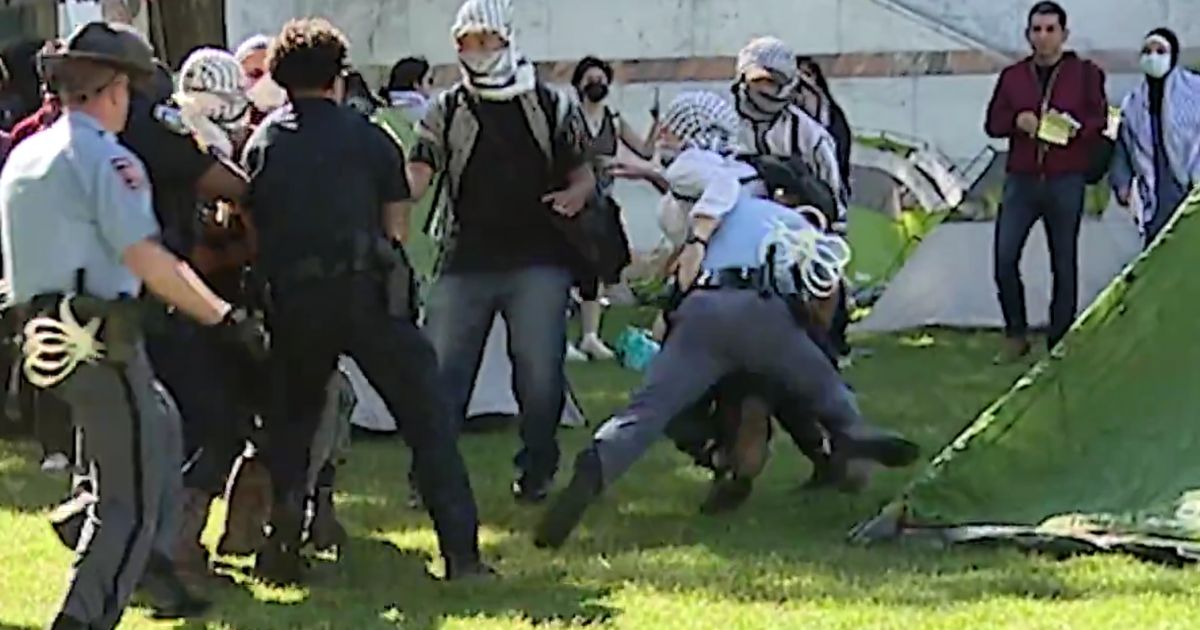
(1180, 126)
(498, 76)
(704, 121)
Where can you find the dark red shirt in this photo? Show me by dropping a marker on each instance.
(1076, 87)
(45, 116)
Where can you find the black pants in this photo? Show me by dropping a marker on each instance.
(1058, 202)
(311, 326)
(200, 374)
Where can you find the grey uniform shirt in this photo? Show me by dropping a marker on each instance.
(72, 198)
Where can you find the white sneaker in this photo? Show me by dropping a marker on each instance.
(595, 349)
(574, 355)
(56, 463)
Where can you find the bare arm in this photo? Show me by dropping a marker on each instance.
(643, 148)
(174, 282)
(396, 217)
(419, 176)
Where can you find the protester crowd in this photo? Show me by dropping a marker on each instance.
(192, 253)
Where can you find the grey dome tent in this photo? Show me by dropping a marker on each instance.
(948, 280)
(492, 401)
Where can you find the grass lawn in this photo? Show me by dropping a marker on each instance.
(644, 557)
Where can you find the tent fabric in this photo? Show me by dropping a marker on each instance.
(491, 397)
(880, 244)
(1099, 439)
(949, 282)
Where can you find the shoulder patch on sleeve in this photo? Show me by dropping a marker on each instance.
(130, 173)
(172, 119)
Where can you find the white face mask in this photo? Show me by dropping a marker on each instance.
(1156, 65)
(483, 62)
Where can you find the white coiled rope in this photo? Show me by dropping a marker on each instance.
(820, 258)
(53, 348)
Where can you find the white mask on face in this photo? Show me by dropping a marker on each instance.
(1156, 65)
(483, 62)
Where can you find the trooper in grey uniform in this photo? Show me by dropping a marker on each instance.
(80, 239)
(746, 260)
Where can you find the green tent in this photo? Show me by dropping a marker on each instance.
(1096, 447)
(421, 249)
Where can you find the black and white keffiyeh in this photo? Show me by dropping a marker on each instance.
(499, 75)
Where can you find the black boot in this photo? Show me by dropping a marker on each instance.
(568, 508)
(279, 560)
(161, 589)
(325, 532)
(63, 622)
(460, 569)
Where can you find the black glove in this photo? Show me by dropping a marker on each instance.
(246, 331)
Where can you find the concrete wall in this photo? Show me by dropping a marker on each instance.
(922, 68)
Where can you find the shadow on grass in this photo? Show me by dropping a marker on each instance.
(23, 485)
(377, 585)
(646, 532)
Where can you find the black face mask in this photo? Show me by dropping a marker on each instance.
(595, 92)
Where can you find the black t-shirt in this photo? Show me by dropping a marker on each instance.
(320, 175)
(503, 223)
(1044, 73)
(175, 163)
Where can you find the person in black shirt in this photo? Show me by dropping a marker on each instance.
(512, 156)
(326, 189)
(192, 362)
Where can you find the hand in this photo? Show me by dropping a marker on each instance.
(245, 331)
(687, 267)
(630, 170)
(1123, 196)
(1028, 122)
(569, 202)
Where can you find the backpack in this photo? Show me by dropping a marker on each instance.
(793, 177)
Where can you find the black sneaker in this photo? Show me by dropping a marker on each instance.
(568, 508)
(468, 570)
(63, 622)
(280, 565)
(164, 593)
(892, 451)
(531, 493)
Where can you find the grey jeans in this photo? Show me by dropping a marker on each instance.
(712, 337)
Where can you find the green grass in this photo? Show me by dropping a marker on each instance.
(644, 558)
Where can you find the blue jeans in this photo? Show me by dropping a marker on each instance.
(533, 302)
(1058, 202)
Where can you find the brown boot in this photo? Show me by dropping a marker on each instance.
(248, 508)
(1014, 349)
(190, 557)
(325, 532)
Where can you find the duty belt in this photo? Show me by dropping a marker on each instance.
(736, 278)
(61, 331)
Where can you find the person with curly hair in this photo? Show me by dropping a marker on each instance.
(321, 177)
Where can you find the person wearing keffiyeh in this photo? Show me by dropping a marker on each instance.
(747, 260)
(513, 169)
(1159, 141)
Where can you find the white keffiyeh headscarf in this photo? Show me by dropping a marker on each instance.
(1180, 128)
(702, 120)
(500, 75)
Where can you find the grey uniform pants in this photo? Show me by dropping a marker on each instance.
(132, 449)
(715, 333)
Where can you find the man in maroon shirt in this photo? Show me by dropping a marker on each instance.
(1045, 178)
